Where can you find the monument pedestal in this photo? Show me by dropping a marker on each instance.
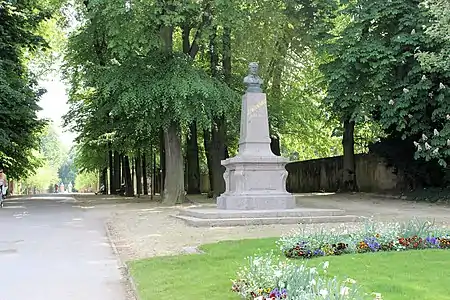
(255, 183)
(255, 179)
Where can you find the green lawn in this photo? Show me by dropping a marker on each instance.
(409, 275)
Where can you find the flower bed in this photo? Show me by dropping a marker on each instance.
(374, 237)
(271, 278)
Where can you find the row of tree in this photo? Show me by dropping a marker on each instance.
(30, 150)
(166, 76)
(19, 94)
(159, 81)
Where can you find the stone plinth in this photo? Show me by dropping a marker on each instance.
(255, 179)
(214, 217)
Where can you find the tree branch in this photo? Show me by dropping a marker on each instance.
(206, 20)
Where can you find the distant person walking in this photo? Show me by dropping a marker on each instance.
(56, 188)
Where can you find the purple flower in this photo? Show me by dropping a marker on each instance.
(373, 244)
(432, 242)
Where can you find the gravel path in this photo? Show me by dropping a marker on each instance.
(143, 230)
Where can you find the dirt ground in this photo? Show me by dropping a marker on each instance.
(141, 228)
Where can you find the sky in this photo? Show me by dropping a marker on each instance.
(54, 106)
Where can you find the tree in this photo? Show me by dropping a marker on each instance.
(154, 76)
(19, 93)
(435, 140)
(86, 181)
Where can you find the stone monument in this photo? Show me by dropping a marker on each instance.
(255, 178)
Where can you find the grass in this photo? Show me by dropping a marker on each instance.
(411, 275)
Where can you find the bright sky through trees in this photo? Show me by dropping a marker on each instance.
(54, 106)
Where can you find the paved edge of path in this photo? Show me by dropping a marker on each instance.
(122, 265)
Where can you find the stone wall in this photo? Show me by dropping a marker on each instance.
(372, 175)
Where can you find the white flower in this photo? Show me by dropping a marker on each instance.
(441, 86)
(377, 296)
(435, 132)
(323, 293)
(448, 142)
(278, 273)
(351, 281)
(424, 137)
(405, 90)
(379, 98)
(430, 94)
(312, 270)
(391, 102)
(326, 265)
(344, 291)
(410, 116)
(424, 77)
(312, 282)
(427, 146)
(413, 31)
(448, 117)
(416, 144)
(259, 298)
(419, 148)
(435, 151)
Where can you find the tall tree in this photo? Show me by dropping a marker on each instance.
(19, 92)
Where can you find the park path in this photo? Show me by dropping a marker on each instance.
(50, 249)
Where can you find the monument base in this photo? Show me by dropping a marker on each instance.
(255, 183)
(256, 201)
(213, 217)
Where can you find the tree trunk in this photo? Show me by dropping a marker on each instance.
(174, 183)
(193, 165)
(123, 170)
(218, 130)
(276, 68)
(348, 170)
(111, 173)
(162, 162)
(128, 179)
(174, 175)
(208, 151)
(117, 172)
(104, 178)
(138, 167)
(133, 173)
(144, 173)
(275, 145)
(226, 40)
(154, 176)
(218, 154)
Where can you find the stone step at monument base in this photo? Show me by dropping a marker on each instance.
(210, 217)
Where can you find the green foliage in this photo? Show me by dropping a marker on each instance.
(54, 162)
(67, 172)
(86, 180)
(19, 93)
(436, 65)
(53, 151)
(374, 73)
(42, 179)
